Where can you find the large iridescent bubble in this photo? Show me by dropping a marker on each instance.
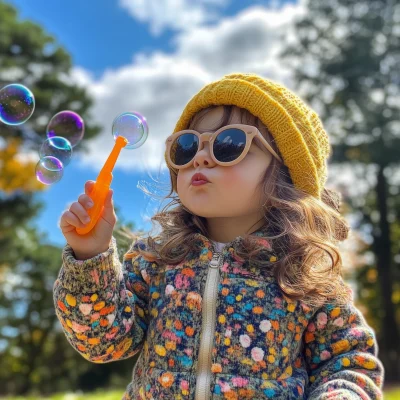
(57, 147)
(17, 104)
(49, 170)
(67, 124)
(133, 126)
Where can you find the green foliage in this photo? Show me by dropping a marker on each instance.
(30, 56)
(345, 54)
(35, 355)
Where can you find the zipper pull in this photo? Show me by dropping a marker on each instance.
(215, 260)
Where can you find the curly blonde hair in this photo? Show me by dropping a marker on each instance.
(302, 229)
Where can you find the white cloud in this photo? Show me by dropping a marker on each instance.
(249, 41)
(159, 85)
(157, 90)
(173, 14)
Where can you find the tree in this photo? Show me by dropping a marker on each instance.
(31, 57)
(347, 56)
(35, 355)
(29, 351)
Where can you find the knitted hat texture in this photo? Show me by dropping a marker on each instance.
(297, 130)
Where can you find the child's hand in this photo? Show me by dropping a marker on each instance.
(98, 239)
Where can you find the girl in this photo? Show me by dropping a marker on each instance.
(240, 296)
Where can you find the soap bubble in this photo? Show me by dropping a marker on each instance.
(67, 124)
(49, 170)
(133, 126)
(57, 147)
(17, 104)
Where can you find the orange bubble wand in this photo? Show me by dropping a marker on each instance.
(102, 185)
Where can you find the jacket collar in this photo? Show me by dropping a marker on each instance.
(237, 241)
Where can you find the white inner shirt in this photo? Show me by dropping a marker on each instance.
(218, 245)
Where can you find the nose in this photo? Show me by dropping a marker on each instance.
(203, 156)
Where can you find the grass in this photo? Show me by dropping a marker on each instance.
(110, 395)
(390, 394)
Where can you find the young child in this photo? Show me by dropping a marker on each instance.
(240, 296)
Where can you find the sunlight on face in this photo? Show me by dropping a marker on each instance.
(232, 191)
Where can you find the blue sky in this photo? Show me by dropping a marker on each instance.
(116, 45)
(100, 34)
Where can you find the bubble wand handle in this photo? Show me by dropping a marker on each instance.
(102, 186)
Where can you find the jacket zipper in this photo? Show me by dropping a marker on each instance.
(203, 379)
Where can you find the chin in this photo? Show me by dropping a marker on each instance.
(201, 210)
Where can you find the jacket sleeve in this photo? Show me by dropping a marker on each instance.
(102, 304)
(340, 351)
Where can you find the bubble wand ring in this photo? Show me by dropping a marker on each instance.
(130, 130)
(102, 186)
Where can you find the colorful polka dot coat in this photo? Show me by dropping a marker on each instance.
(230, 335)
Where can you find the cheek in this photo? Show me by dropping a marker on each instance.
(182, 181)
(178, 182)
(241, 177)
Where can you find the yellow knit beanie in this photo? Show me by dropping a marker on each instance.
(297, 130)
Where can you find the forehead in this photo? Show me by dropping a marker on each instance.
(212, 120)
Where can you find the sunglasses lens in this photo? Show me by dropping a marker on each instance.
(184, 148)
(229, 144)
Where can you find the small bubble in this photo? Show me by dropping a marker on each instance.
(17, 104)
(133, 126)
(49, 170)
(57, 147)
(67, 124)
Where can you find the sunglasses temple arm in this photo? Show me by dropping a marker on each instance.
(268, 146)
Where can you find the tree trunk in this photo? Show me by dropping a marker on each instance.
(389, 352)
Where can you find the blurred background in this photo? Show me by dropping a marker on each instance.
(103, 58)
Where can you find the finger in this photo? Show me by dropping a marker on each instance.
(89, 187)
(70, 219)
(86, 201)
(80, 212)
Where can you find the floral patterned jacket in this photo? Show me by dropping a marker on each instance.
(213, 327)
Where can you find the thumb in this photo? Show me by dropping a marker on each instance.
(109, 202)
(109, 205)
